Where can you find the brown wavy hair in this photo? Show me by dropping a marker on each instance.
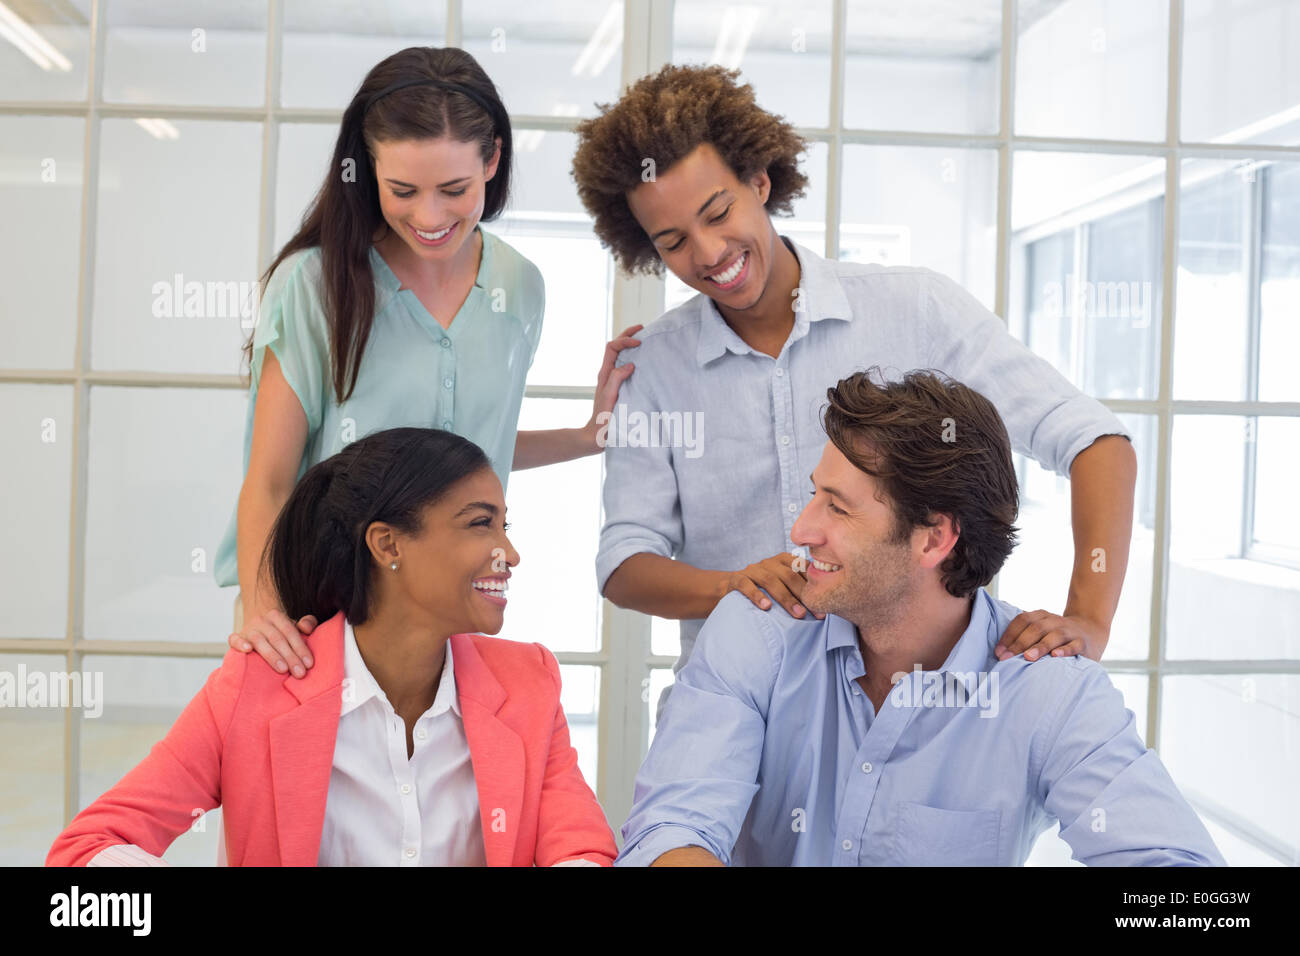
(663, 118)
(345, 215)
(934, 446)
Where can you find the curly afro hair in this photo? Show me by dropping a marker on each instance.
(663, 118)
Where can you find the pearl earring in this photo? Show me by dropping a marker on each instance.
(393, 565)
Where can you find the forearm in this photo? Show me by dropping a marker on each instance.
(533, 449)
(687, 856)
(653, 584)
(258, 509)
(1102, 479)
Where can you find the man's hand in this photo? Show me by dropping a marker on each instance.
(1038, 633)
(278, 640)
(779, 577)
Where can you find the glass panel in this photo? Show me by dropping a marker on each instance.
(159, 493)
(35, 429)
(665, 637)
(1092, 68)
(546, 223)
(176, 245)
(1050, 849)
(305, 151)
(45, 49)
(1037, 575)
(1222, 604)
(41, 197)
(330, 45)
(186, 52)
(1279, 294)
(1276, 521)
(143, 696)
(1212, 308)
(1241, 78)
(923, 206)
(1230, 743)
(1086, 268)
(652, 689)
(930, 66)
(781, 49)
(554, 515)
(31, 752)
(807, 226)
(548, 57)
(580, 698)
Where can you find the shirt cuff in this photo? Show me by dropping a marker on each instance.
(126, 854)
(662, 839)
(609, 557)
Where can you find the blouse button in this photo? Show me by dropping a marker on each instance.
(406, 788)
(446, 383)
(446, 343)
(446, 424)
(410, 852)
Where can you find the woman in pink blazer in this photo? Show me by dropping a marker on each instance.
(398, 545)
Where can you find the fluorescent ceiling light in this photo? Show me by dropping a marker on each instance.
(34, 46)
(604, 43)
(738, 24)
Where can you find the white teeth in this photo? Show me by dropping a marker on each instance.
(491, 585)
(823, 566)
(433, 235)
(722, 278)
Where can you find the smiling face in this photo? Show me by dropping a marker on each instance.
(431, 192)
(861, 570)
(710, 228)
(454, 571)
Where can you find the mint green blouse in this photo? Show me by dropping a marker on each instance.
(467, 378)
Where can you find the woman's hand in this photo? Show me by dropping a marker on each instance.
(278, 640)
(608, 382)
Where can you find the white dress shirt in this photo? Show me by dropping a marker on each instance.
(384, 809)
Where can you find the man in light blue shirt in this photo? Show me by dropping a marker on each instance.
(889, 733)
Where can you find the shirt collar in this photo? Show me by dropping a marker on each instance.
(820, 297)
(360, 685)
(968, 658)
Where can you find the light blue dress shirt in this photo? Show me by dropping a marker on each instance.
(770, 754)
(467, 378)
(732, 498)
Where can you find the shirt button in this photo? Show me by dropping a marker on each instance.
(791, 507)
(421, 734)
(846, 845)
(866, 767)
(406, 788)
(785, 439)
(780, 372)
(446, 343)
(446, 423)
(446, 383)
(410, 852)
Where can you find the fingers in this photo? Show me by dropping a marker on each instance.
(748, 588)
(279, 642)
(237, 642)
(1018, 637)
(774, 584)
(1048, 642)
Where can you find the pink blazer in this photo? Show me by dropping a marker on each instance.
(261, 745)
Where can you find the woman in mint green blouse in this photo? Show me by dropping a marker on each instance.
(393, 307)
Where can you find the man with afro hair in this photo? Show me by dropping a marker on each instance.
(685, 171)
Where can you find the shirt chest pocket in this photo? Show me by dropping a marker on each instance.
(929, 836)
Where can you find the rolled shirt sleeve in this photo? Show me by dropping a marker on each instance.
(1047, 418)
(1115, 800)
(642, 509)
(697, 781)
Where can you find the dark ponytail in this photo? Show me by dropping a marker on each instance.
(317, 553)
